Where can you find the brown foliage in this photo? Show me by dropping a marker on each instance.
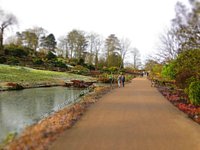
(181, 78)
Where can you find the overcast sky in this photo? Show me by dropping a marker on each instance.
(139, 20)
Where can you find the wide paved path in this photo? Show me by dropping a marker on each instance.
(136, 117)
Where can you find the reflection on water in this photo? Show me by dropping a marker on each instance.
(21, 108)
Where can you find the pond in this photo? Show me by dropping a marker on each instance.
(19, 109)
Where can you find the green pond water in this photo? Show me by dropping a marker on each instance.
(19, 109)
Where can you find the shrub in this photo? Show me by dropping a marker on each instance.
(105, 69)
(129, 77)
(59, 63)
(73, 61)
(80, 70)
(156, 70)
(12, 61)
(194, 92)
(2, 60)
(50, 56)
(188, 82)
(38, 61)
(168, 71)
(113, 69)
(187, 66)
(105, 78)
(81, 61)
(16, 51)
(41, 54)
(89, 66)
(182, 78)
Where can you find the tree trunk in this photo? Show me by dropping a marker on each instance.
(96, 62)
(1, 41)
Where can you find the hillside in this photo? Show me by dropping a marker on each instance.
(28, 77)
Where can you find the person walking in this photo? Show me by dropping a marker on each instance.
(123, 80)
(111, 80)
(119, 80)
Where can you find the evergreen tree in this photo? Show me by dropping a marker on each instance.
(112, 45)
(49, 42)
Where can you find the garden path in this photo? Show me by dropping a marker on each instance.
(136, 117)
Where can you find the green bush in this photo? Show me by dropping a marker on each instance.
(38, 61)
(168, 71)
(16, 51)
(12, 61)
(41, 54)
(81, 62)
(2, 60)
(187, 66)
(113, 69)
(50, 56)
(73, 61)
(80, 70)
(194, 92)
(188, 82)
(105, 69)
(59, 63)
(156, 71)
(182, 78)
(89, 66)
(129, 77)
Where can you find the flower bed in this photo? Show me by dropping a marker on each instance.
(179, 99)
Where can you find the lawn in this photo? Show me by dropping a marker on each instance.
(25, 75)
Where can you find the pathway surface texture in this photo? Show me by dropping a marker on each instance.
(136, 117)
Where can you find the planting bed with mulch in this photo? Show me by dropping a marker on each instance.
(179, 99)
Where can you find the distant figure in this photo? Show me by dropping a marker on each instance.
(123, 80)
(142, 74)
(119, 80)
(111, 79)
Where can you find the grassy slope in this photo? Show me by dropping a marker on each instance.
(24, 75)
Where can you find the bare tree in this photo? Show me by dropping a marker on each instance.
(95, 44)
(168, 48)
(28, 39)
(136, 58)
(77, 43)
(91, 45)
(187, 26)
(184, 34)
(98, 47)
(6, 20)
(124, 49)
(39, 32)
(62, 46)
